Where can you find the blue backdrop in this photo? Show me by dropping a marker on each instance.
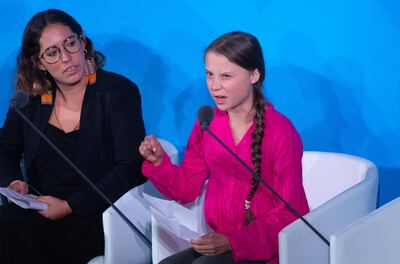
(332, 66)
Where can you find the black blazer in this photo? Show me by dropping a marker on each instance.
(111, 130)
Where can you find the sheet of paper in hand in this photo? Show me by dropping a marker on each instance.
(25, 201)
(186, 223)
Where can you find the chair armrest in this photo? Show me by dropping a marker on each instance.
(122, 244)
(298, 244)
(375, 238)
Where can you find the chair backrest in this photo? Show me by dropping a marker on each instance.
(375, 238)
(170, 150)
(123, 245)
(173, 154)
(326, 174)
(340, 189)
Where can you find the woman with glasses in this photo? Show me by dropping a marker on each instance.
(94, 117)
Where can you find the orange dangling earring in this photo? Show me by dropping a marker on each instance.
(46, 95)
(46, 98)
(90, 71)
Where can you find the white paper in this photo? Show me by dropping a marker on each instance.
(173, 226)
(186, 223)
(25, 201)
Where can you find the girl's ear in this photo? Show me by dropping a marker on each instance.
(41, 67)
(255, 76)
(38, 64)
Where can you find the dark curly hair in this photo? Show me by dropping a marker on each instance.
(29, 77)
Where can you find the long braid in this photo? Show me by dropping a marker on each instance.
(257, 136)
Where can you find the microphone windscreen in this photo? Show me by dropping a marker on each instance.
(205, 115)
(19, 100)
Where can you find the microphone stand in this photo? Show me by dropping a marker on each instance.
(98, 191)
(204, 125)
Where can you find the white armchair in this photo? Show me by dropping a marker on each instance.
(340, 189)
(123, 245)
(375, 238)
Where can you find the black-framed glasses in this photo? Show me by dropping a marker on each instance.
(71, 44)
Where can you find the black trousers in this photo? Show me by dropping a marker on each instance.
(28, 237)
(190, 256)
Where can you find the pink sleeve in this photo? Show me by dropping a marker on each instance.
(259, 239)
(182, 183)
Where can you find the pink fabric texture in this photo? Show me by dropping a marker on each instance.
(229, 182)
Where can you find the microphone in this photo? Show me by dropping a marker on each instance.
(20, 100)
(205, 116)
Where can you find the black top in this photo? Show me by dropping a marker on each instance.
(52, 175)
(111, 130)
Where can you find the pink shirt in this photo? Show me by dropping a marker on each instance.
(229, 182)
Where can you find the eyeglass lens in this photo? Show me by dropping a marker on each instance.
(71, 44)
